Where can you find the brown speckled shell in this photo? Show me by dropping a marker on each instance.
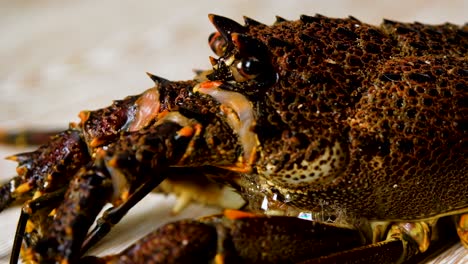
(394, 96)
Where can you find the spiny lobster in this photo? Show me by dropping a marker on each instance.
(361, 129)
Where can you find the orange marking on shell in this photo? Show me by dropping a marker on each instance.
(12, 158)
(162, 114)
(68, 231)
(210, 84)
(124, 196)
(238, 167)
(191, 146)
(462, 229)
(219, 259)
(53, 212)
(28, 255)
(237, 214)
(213, 61)
(95, 142)
(235, 39)
(74, 125)
(25, 187)
(112, 162)
(84, 115)
(211, 17)
(36, 195)
(21, 170)
(30, 226)
(186, 131)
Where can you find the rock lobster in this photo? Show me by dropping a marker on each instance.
(362, 130)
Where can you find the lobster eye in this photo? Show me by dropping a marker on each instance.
(246, 69)
(250, 66)
(217, 43)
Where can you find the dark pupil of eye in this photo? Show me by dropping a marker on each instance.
(251, 66)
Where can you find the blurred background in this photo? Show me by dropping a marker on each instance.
(60, 57)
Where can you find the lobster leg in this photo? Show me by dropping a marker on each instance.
(47, 169)
(46, 201)
(113, 215)
(196, 183)
(239, 237)
(72, 218)
(390, 251)
(399, 247)
(139, 159)
(6, 195)
(244, 239)
(180, 242)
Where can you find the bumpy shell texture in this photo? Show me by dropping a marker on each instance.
(368, 120)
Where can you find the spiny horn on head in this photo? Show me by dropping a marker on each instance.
(156, 79)
(252, 22)
(355, 19)
(311, 19)
(226, 26)
(276, 42)
(248, 46)
(280, 19)
(21, 158)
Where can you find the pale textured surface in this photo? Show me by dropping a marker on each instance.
(58, 58)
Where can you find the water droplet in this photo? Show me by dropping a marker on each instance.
(305, 216)
(265, 203)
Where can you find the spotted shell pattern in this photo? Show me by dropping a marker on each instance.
(370, 119)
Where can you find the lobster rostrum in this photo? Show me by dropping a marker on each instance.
(360, 129)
